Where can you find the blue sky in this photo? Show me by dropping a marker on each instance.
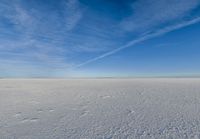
(73, 38)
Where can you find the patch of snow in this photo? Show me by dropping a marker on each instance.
(100, 108)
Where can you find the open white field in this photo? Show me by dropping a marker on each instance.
(99, 108)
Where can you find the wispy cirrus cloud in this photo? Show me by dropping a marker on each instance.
(31, 33)
(141, 39)
(152, 18)
(72, 13)
(148, 14)
(59, 34)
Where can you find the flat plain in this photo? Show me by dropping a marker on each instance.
(137, 108)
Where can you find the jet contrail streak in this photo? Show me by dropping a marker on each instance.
(141, 39)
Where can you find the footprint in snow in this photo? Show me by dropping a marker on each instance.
(130, 111)
(105, 97)
(17, 114)
(34, 119)
(34, 102)
(27, 120)
(84, 113)
(39, 110)
(51, 110)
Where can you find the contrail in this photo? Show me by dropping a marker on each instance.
(141, 39)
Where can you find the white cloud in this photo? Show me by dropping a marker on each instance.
(141, 39)
(72, 14)
(47, 37)
(150, 15)
(147, 14)
(39, 35)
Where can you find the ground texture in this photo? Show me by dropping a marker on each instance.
(100, 108)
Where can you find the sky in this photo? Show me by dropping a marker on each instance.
(99, 38)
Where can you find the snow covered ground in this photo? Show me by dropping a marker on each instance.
(100, 108)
